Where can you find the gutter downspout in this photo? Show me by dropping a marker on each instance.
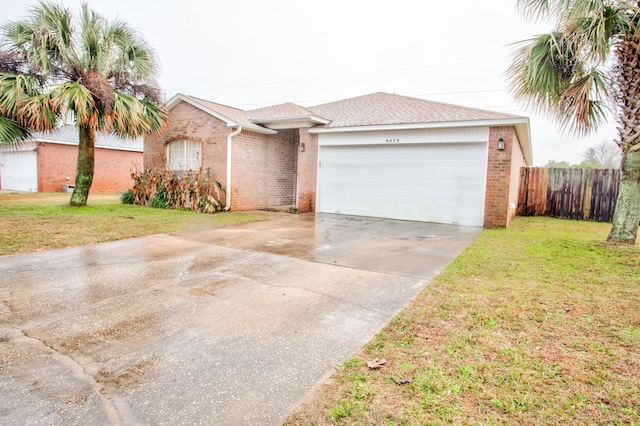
(227, 203)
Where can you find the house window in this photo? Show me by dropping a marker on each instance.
(183, 155)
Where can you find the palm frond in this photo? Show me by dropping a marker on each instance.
(539, 10)
(11, 132)
(133, 117)
(541, 68)
(45, 39)
(79, 101)
(156, 116)
(598, 30)
(42, 112)
(15, 91)
(584, 105)
(553, 75)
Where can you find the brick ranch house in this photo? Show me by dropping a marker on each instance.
(379, 155)
(48, 162)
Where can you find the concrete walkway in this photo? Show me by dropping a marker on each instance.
(227, 326)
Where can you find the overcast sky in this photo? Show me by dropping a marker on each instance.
(254, 53)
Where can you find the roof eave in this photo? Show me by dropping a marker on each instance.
(291, 121)
(253, 128)
(432, 125)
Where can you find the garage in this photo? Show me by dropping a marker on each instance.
(438, 181)
(19, 170)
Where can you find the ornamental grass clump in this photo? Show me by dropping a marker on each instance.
(194, 190)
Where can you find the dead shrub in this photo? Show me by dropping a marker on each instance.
(194, 190)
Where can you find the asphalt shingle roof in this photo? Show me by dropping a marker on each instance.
(376, 109)
(234, 114)
(285, 110)
(386, 109)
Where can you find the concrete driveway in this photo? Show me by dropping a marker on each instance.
(228, 326)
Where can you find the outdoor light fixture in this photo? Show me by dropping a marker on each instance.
(500, 144)
(302, 147)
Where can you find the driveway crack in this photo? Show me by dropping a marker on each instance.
(80, 370)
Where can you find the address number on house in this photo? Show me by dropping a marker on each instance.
(392, 140)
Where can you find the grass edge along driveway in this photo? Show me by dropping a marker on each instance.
(535, 324)
(32, 222)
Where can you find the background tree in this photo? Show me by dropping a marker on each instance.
(584, 69)
(605, 155)
(558, 165)
(101, 73)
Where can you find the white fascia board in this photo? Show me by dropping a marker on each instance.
(256, 129)
(116, 148)
(294, 119)
(230, 123)
(439, 125)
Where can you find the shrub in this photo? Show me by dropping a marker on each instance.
(127, 197)
(195, 191)
(159, 201)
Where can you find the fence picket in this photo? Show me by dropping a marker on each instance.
(583, 194)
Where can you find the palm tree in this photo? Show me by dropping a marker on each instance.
(99, 73)
(587, 68)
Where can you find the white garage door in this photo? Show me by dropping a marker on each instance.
(19, 171)
(442, 183)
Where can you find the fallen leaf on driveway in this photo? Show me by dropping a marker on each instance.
(376, 363)
(403, 381)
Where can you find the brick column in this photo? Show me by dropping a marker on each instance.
(496, 203)
(307, 171)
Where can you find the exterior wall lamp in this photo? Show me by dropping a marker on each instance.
(501, 144)
(302, 147)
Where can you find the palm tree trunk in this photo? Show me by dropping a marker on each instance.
(627, 214)
(84, 167)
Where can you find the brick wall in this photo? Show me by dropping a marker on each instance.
(496, 208)
(307, 172)
(263, 171)
(112, 170)
(189, 122)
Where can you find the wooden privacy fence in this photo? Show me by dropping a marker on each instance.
(583, 194)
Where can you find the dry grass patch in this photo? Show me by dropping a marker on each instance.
(43, 221)
(537, 324)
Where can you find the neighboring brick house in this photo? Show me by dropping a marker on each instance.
(48, 162)
(379, 155)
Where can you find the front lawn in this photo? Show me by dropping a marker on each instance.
(536, 324)
(33, 222)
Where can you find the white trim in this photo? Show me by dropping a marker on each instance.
(117, 148)
(292, 122)
(521, 125)
(230, 123)
(474, 123)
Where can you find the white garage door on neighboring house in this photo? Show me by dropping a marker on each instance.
(19, 170)
(432, 182)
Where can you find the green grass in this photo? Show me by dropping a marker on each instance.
(536, 324)
(33, 222)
